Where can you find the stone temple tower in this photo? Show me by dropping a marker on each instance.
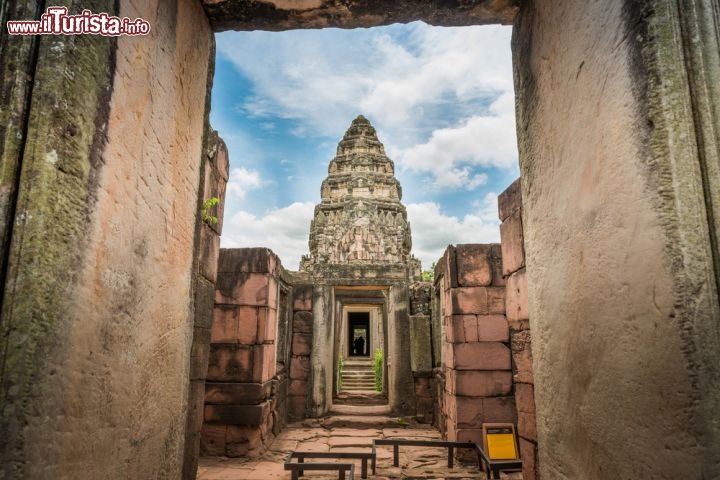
(360, 220)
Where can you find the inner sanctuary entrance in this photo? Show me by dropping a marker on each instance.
(358, 325)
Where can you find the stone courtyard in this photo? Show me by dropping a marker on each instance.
(352, 431)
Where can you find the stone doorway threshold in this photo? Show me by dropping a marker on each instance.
(360, 397)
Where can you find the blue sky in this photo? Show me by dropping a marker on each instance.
(441, 100)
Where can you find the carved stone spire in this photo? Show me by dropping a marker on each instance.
(360, 219)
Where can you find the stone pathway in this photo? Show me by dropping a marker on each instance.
(343, 432)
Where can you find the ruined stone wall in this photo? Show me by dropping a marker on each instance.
(476, 366)
(302, 341)
(215, 176)
(617, 154)
(516, 311)
(97, 311)
(246, 386)
(421, 358)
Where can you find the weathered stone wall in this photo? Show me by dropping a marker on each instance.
(97, 310)
(302, 341)
(245, 392)
(475, 358)
(207, 250)
(516, 311)
(616, 163)
(421, 355)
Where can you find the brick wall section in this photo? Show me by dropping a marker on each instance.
(301, 347)
(516, 305)
(243, 387)
(476, 358)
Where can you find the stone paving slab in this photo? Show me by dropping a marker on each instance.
(335, 435)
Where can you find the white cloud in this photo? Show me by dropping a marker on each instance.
(394, 75)
(241, 181)
(484, 141)
(426, 89)
(433, 231)
(283, 230)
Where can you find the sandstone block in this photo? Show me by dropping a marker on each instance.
(469, 412)
(496, 300)
(482, 383)
(525, 397)
(298, 388)
(469, 327)
(266, 325)
(499, 409)
(527, 426)
(301, 344)
(469, 300)
(225, 393)
(299, 368)
(520, 343)
(248, 260)
(200, 353)
(302, 322)
(448, 355)
(482, 356)
(510, 200)
(212, 439)
(204, 302)
(528, 453)
(225, 324)
(209, 252)
(516, 299)
(247, 325)
(474, 265)
(230, 363)
(512, 241)
(296, 407)
(451, 267)
(242, 288)
(424, 386)
(263, 363)
(498, 279)
(302, 297)
(238, 414)
(468, 435)
(492, 328)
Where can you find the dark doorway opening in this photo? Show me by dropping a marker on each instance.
(359, 334)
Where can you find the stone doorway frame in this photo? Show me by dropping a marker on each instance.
(674, 57)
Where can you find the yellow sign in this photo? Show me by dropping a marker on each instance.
(500, 442)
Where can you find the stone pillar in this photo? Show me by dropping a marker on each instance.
(421, 351)
(242, 386)
(301, 349)
(618, 142)
(401, 388)
(516, 310)
(476, 358)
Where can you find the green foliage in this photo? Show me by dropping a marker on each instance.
(208, 205)
(340, 372)
(378, 365)
(429, 275)
(402, 422)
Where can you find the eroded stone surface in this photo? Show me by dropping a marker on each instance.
(290, 14)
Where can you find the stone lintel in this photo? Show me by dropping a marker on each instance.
(277, 15)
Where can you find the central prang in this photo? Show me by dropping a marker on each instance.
(360, 219)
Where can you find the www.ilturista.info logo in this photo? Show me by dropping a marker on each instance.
(56, 21)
